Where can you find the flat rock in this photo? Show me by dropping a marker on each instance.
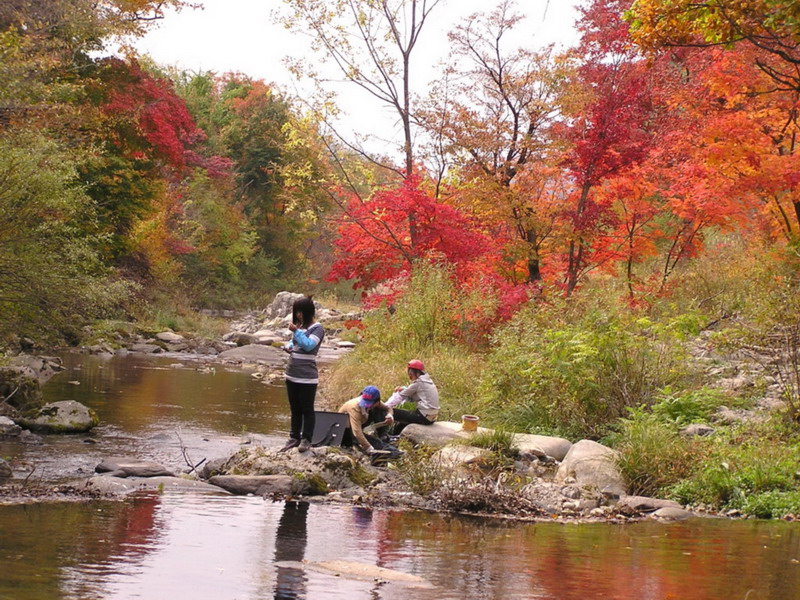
(551, 446)
(645, 504)
(254, 484)
(145, 348)
(170, 338)
(451, 457)
(118, 485)
(66, 416)
(252, 353)
(593, 465)
(439, 434)
(131, 467)
(344, 344)
(672, 514)
(696, 429)
(367, 572)
(9, 428)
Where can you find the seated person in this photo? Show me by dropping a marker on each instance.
(422, 391)
(363, 410)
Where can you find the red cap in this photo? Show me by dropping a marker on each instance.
(416, 364)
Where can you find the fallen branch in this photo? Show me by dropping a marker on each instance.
(184, 452)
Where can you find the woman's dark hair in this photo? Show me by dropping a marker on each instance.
(304, 306)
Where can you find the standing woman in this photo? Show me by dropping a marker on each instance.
(302, 376)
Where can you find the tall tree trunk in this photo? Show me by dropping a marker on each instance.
(534, 270)
(576, 248)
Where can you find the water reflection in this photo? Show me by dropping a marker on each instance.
(290, 546)
(222, 547)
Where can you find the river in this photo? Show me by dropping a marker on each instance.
(179, 545)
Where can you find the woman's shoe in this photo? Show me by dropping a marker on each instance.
(292, 443)
(305, 445)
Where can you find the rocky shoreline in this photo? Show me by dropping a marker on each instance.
(579, 484)
(543, 479)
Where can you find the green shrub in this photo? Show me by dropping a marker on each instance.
(653, 456)
(734, 474)
(497, 440)
(563, 370)
(773, 504)
(690, 406)
(420, 471)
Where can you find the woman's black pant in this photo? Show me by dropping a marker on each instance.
(301, 404)
(404, 417)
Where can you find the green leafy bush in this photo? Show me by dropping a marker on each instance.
(497, 440)
(773, 504)
(689, 406)
(577, 373)
(733, 474)
(653, 456)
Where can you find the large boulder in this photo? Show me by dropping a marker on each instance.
(8, 428)
(593, 465)
(118, 466)
(281, 306)
(66, 416)
(550, 446)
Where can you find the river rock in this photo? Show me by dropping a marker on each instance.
(367, 572)
(439, 434)
(170, 338)
(118, 485)
(281, 305)
(20, 388)
(252, 353)
(146, 348)
(592, 465)
(42, 367)
(696, 429)
(119, 466)
(266, 337)
(8, 428)
(212, 467)
(670, 513)
(457, 455)
(241, 338)
(66, 416)
(263, 485)
(645, 504)
(550, 446)
(5, 469)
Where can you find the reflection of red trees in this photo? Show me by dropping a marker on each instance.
(701, 560)
(132, 533)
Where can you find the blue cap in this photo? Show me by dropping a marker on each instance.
(371, 393)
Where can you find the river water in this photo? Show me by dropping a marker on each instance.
(179, 545)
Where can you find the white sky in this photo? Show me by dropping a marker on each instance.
(240, 35)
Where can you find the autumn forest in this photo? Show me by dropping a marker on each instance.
(553, 226)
